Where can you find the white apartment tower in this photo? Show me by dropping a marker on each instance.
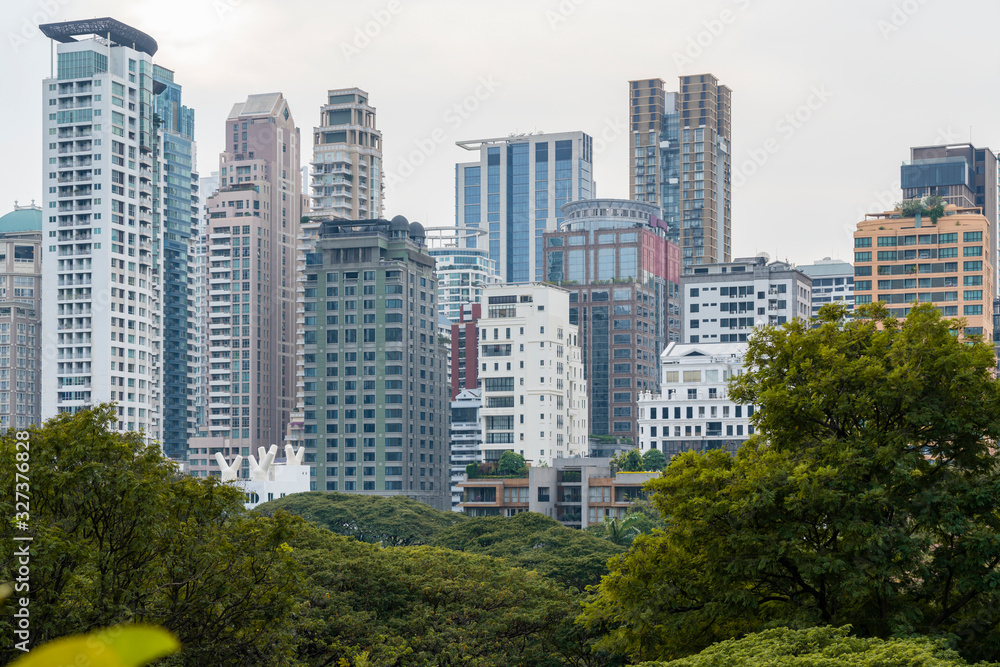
(534, 392)
(101, 225)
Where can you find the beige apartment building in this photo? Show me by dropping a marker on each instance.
(948, 263)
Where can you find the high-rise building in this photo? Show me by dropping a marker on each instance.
(724, 302)
(623, 276)
(832, 282)
(373, 377)
(20, 317)
(180, 215)
(680, 159)
(347, 181)
(103, 206)
(516, 191)
(466, 438)
(463, 275)
(963, 175)
(465, 349)
(534, 392)
(693, 411)
(948, 262)
(252, 226)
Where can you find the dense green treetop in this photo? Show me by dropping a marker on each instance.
(820, 647)
(868, 496)
(535, 542)
(392, 521)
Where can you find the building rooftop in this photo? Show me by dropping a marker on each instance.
(22, 219)
(263, 104)
(107, 27)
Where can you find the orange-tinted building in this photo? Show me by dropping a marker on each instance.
(948, 263)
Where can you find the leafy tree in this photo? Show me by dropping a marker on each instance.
(869, 496)
(820, 647)
(653, 460)
(119, 537)
(512, 464)
(535, 542)
(392, 521)
(412, 606)
(630, 461)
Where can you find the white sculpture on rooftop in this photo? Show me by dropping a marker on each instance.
(228, 471)
(292, 457)
(261, 472)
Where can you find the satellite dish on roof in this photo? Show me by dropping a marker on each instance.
(767, 258)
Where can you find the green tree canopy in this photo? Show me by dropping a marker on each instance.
(120, 537)
(392, 521)
(653, 460)
(868, 496)
(820, 647)
(415, 606)
(512, 464)
(535, 542)
(629, 461)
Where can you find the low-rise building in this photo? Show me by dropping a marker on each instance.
(832, 282)
(693, 411)
(577, 492)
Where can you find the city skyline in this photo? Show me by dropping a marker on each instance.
(787, 112)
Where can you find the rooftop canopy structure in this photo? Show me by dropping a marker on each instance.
(115, 31)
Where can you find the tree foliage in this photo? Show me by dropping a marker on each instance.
(628, 461)
(391, 521)
(119, 537)
(423, 606)
(653, 460)
(820, 647)
(512, 464)
(868, 496)
(535, 542)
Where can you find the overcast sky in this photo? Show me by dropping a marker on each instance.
(828, 96)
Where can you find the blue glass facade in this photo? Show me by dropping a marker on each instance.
(518, 223)
(179, 226)
(524, 181)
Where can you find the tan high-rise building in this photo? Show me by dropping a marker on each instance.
(680, 159)
(949, 263)
(252, 226)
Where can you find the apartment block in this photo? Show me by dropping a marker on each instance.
(693, 411)
(949, 263)
(253, 221)
(681, 158)
(466, 439)
(534, 392)
(373, 374)
(463, 275)
(623, 276)
(465, 349)
(20, 317)
(832, 282)
(103, 226)
(724, 302)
